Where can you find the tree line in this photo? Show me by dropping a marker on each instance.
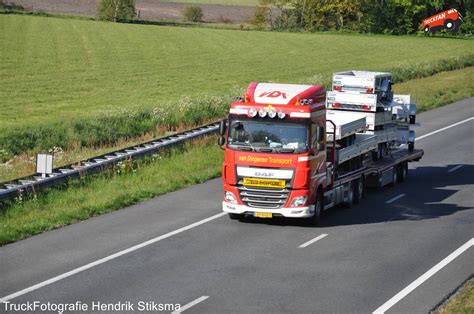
(365, 16)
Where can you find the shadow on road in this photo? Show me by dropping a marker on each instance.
(426, 190)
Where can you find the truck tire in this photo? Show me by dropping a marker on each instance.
(235, 216)
(402, 172)
(394, 176)
(318, 208)
(449, 24)
(359, 187)
(350, 196)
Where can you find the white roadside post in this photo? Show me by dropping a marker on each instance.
(44, 164)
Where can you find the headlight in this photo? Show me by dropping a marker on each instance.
(230, 197)
(298, 201)
(262, 113)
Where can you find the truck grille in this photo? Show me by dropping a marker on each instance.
(263, 198)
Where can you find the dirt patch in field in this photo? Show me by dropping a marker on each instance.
(147, 9)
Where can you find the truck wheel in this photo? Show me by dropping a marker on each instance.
(394, 176)
(350, 196)
(235, 216)
(402, 172)
(358, 190)
(449, 24)
(318, 208)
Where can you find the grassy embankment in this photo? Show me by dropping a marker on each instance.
(131, 183)
(462, 302)
(72, 83)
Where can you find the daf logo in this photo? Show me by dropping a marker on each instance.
(264, 174)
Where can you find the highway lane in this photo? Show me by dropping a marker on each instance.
(371, 251)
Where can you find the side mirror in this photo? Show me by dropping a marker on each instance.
(222, 127)
(221, 141)
(319, 133)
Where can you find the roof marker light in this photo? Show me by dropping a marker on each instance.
(252, 112)
(281, 114)
(272, 113)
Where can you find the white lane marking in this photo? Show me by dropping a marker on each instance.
(395, 198)
(191, 304)
(445, 128)
(108, 258)
(322, 236)
(455, 168)
(387, 305)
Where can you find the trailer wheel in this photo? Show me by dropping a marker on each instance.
(402, 172)
(235, 216)
(359, 188)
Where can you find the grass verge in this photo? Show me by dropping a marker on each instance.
(133, 182)
(462, 302)
(127, 184)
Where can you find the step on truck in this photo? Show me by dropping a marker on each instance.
(297, 150)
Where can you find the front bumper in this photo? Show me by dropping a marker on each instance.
(290, 212)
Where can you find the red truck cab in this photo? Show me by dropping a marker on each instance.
(275, 151)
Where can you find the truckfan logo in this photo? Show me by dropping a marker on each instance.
(274, 94)
(450, 20)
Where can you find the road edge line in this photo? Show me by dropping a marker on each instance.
(420, 280)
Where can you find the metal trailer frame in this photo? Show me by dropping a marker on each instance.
(373, 174)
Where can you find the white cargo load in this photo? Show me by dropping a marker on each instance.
(351, 101)
(359, 81)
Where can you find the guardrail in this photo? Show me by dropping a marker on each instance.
(34, 183)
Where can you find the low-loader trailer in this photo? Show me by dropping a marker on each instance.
(292, 151)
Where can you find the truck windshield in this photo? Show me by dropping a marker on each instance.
(268, 137)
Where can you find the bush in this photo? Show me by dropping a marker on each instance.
(116, 10)
(193, 13)
(259, 18)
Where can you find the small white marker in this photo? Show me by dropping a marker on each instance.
(395, 198)
(191, 304)
(387, 305)
(322, 236)
(455, 168)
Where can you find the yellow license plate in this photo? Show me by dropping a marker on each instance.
(263, 215)
(265, 183)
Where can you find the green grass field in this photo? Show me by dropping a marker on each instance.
(60, 70)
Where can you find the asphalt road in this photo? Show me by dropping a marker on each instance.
(371, 252)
